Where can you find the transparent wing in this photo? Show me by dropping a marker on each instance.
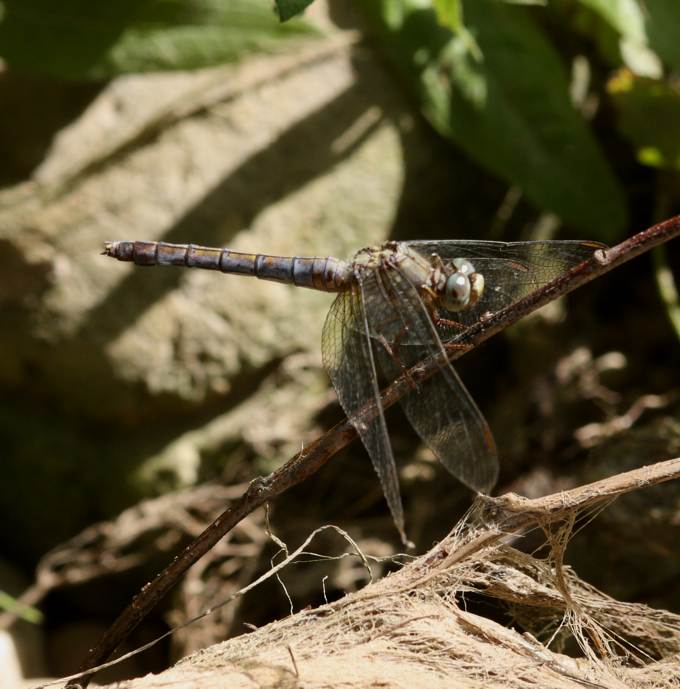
(511, 270)
(348, 357)
(441, 410)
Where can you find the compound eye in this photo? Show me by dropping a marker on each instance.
(456, 292)
(464, 266)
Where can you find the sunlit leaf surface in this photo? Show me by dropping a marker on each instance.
(94, 40)
(510, 111)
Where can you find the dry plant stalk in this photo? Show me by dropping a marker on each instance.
(412, 629)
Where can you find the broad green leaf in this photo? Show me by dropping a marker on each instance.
(511, 111)
(649, 117)
(287, 9)
(663, 29)
(94, 40)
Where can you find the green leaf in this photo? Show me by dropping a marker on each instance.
(667, 287)
(449, 14)
(21, 610)
(511, 111)
(79, 39)
(649, 117)
(624, 16)
(626, 20)
(287, 9)
(663, 29)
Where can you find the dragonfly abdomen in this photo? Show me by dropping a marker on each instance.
(327, 274)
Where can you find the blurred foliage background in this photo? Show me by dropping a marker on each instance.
(135, 404)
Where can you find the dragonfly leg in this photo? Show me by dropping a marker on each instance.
(457, 347)
(390, 349)
(430, 292)
(437, 262)
(446, 322)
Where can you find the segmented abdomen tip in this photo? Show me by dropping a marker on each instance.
(122, 250)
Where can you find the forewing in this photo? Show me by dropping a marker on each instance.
(348, 358)
(511, 270)
(441, 410)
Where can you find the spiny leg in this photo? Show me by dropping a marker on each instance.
(457, 347)
(397, 359)
(447, 322)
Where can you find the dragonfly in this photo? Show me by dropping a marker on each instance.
(398, 304)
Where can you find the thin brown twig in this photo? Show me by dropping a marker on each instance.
(590, 494)
(313, 457)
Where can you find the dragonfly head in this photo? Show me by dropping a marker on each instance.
(463, 287)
